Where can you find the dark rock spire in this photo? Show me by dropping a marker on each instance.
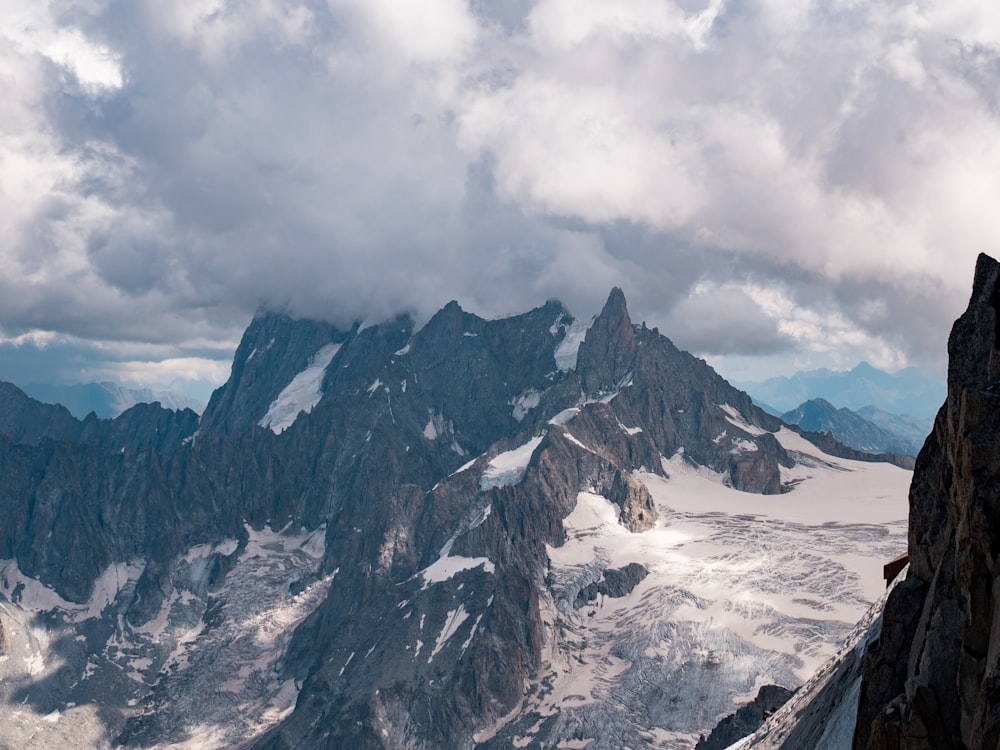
(609, 349)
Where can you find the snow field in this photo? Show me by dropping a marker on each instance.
(300, 395)
(569, 347)
(742, 590)
(508, 468)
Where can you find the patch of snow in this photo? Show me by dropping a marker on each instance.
(281, 704)
(452, 622)
(743, 446)
(403, 352)
(300, 395)
(341, 673)
(564, 416)
(314, 544)
(481, 518)
(437, 426)
(257, 351)
(448, 566)
(735, 418)
(525, 403)
(374, 387)
(576, 442)
(470, 335)
(565, 354)
(472, 633)
(107, 587)
(402, 385)
(225, 548)
(464, 467)
(508, 468)
(33, 596)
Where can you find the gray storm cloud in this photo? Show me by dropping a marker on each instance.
(760, 177)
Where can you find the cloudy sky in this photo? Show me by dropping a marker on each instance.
(776, 184)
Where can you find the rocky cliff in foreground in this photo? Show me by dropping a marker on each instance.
(922, 671)
(932, 680)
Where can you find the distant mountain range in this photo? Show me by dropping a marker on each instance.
(879, 432)
(908, 392)
(106, 400)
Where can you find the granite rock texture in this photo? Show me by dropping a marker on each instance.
(932, 680)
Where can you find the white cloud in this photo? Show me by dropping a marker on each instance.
(32, 29)
(432, 31)
(824, 332)
(158, 157)
(582, 151)
(217, 29)
(567, 24)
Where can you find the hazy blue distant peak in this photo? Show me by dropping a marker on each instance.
(859, 432)
(910, 391)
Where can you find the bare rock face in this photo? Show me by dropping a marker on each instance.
(273, 349)
(746, 718)
(932, 680)
(607, 352)
(615, 583)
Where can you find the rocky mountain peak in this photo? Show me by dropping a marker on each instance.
(608, 350)
(274, 348)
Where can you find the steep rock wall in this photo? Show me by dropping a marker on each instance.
(932, 680)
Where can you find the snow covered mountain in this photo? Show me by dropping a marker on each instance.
(484, 533)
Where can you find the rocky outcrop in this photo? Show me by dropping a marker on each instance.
(607, 352)
(614, 584)
(274, 348)
(746, 719)
(25, 420)
(826, 442)
(932, 680)
(143, 427)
